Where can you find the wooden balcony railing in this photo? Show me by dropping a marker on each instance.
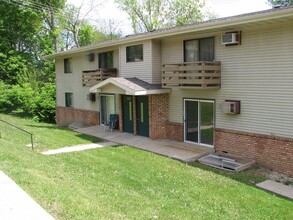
(192, 75)
(92, 77)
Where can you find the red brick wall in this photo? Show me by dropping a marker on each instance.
(275, 153)
(158, 115)
(66, 116)
(175, 131)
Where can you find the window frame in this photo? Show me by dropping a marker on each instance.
(67, 69)
(107, 55)
(69, 99)
(136, 57)
(199, 40)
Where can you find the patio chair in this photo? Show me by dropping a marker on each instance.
(112, 123)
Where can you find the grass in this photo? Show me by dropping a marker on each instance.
(126, 183)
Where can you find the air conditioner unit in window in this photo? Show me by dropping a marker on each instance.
(91, 97)
(230, 38)
(231, 107)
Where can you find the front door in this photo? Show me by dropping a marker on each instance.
(127, 112)
(142, 110)
(199, 121)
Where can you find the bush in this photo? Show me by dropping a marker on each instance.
(38, 103)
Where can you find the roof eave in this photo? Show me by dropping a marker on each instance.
(213, 24)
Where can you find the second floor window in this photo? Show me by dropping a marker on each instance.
(199, 50)
(68, 65)
(134, 53)
(106, 60)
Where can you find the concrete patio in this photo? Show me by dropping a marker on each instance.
(177, 150)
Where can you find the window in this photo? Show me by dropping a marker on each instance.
(106, 60)
(199, 50)
(69, 99)
(68, 65)
(134, 53)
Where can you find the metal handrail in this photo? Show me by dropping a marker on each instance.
(31, 134)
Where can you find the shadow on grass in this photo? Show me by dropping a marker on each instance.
(88, 138)
(64, 128)
(55, 127)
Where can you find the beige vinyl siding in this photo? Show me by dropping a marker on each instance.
(172, 50)
(141, 69)
(259, 73)
(72, 82)
(109, 89)
(156, 62)
(116, 60)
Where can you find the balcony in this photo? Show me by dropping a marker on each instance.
(192, 75)
(93, 77)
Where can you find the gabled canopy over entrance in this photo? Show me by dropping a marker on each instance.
(128, 86)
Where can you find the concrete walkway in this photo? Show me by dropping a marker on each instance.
(79, 148)
(16, 204)
(173, 149)
(277, 188)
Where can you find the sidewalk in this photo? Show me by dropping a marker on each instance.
(278, 188)
(16, 204)
(174, 149)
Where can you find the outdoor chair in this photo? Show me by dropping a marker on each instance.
(112, 123)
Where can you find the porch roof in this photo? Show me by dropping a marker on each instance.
(130, 86)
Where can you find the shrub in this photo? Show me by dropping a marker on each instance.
(38, 103)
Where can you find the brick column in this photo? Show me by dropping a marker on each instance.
(158, 114)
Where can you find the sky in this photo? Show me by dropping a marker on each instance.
(222, 8)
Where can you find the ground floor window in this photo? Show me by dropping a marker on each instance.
(69, 99)
(199, 121)
(107, 107)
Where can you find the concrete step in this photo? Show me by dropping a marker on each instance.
(277, 188)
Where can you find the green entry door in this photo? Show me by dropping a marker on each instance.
(127, 111)
(142, 110)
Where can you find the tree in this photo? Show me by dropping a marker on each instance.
(51, 25)
(18, 37)
(280, 3)
(110, 28)
(73, 19)
(88, 34)
(149, 15)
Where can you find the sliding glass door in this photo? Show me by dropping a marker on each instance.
(107, 107)
(199, 121)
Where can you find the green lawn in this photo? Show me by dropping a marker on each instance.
(126, 183)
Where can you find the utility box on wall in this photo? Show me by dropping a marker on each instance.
(231, 107)
(91, 97)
